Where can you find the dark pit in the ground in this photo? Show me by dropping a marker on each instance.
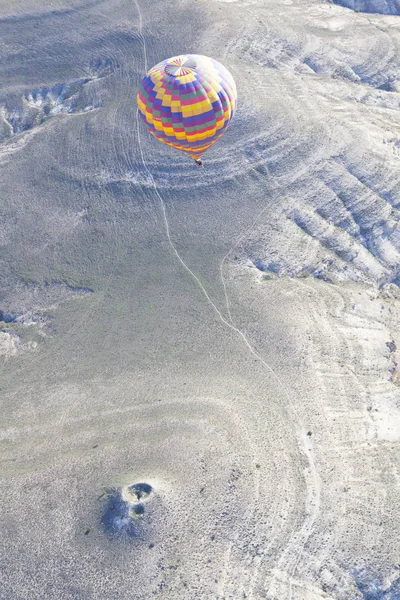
(124, 509)
(140, 491)
(138, 509)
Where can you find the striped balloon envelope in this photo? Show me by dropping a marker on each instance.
(187, 102)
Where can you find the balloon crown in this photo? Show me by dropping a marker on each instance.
(179, 66)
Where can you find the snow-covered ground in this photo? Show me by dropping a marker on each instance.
(222, 343)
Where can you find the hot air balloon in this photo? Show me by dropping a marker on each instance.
(187, 102)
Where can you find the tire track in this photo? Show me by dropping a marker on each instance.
(299, 539)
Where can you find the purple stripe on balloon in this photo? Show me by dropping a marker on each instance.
(199, 119)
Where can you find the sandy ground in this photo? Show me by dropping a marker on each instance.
(227, 337)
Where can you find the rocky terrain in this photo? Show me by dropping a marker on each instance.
(200, 367)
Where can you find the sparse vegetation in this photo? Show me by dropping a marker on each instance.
(199, 362)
